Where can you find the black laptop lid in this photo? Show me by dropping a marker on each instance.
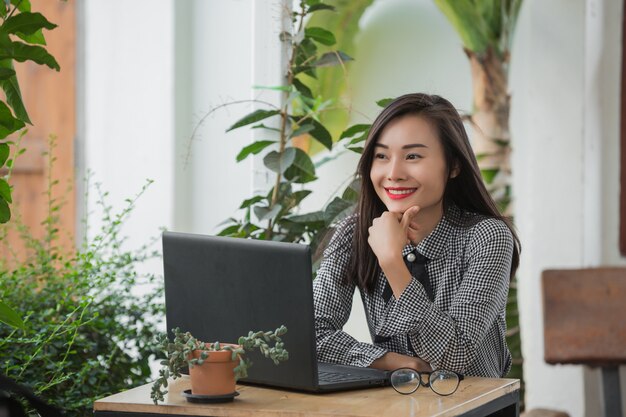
(220, 288)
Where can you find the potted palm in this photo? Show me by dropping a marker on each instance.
(214, 368)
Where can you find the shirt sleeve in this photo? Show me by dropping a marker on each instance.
(449, 340)
(333, 304)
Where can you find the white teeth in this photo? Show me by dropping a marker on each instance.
(401, 192)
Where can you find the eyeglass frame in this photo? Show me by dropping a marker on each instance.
(460, 377)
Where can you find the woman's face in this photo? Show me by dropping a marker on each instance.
(409, 167)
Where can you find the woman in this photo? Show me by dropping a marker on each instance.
(427, 248)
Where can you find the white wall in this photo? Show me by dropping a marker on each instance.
(126, 117)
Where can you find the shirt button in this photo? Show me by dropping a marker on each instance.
(410, 257)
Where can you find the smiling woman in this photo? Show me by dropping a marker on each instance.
(427, 248)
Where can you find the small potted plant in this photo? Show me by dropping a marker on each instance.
(214, 368)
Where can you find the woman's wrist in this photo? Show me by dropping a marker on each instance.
(397, 275)
(392, 360)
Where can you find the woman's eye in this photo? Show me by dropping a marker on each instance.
(379, 156)
(414, 156)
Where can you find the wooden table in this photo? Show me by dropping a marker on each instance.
(475, 397)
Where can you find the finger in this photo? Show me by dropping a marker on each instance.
(408, 216)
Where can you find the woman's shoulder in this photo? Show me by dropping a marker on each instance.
(480, 228)
(488, 231)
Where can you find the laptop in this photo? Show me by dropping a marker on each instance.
(220, 288)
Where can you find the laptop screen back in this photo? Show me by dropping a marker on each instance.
(221, 288)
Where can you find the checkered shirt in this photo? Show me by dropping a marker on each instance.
(462, 330)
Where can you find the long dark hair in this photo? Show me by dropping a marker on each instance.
(466, 190)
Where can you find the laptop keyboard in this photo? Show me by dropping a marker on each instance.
(340, 376)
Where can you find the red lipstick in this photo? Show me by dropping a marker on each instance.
(398, 193)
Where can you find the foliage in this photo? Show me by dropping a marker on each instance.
(483, 24)
(334, 83)
(179, 354)
(86, 334)
(275, 212)
(18, 22)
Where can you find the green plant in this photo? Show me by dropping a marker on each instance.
(179, 354)
(87, 332)
(276, 212)
(17, 22)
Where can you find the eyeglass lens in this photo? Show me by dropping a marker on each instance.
(407, 381)
(444, 382)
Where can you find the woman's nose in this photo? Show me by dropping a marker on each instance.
(396, 171)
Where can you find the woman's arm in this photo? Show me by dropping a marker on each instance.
(392, 360)
(333, 304)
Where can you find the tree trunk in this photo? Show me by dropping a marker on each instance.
(490, 117)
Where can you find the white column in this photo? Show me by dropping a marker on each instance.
(549, 141)
(126, 116)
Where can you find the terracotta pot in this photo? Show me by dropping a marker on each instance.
(215, 376)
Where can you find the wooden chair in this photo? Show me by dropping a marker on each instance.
(585, 323)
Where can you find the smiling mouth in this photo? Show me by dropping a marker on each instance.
(399, 193)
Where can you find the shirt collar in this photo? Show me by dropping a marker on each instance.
(434, 245)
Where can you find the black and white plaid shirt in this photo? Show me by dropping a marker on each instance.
(463, 330)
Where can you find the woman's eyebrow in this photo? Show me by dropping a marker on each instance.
(409, 146)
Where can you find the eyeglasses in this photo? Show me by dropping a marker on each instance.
(407, 381)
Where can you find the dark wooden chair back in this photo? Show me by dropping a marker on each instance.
(585, 323)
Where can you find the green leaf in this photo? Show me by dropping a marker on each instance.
(5, 211)
(330, 59)
(35, 38)
(278, 162)
(229, 231)
(351, 193)
(264, 213)
(469, 24)
(6, 73)
(303, 89)
(314, 217)
(320, 6)
(384, 102)
(247, 203)
(262, 126)
(4, 153)
(356, 149)
(320, 134)
(353, 130)
(22, 52)
(489, 174)
(22, 5)
(8, 123)
(305, 128)
(9, 316)
(302, 170)
(26, 23)
(320, 35)
(337, 210)
(5, 190)
(253, 117)
(285, 88)
(301, 195)
(254, 149)
(11, 89)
